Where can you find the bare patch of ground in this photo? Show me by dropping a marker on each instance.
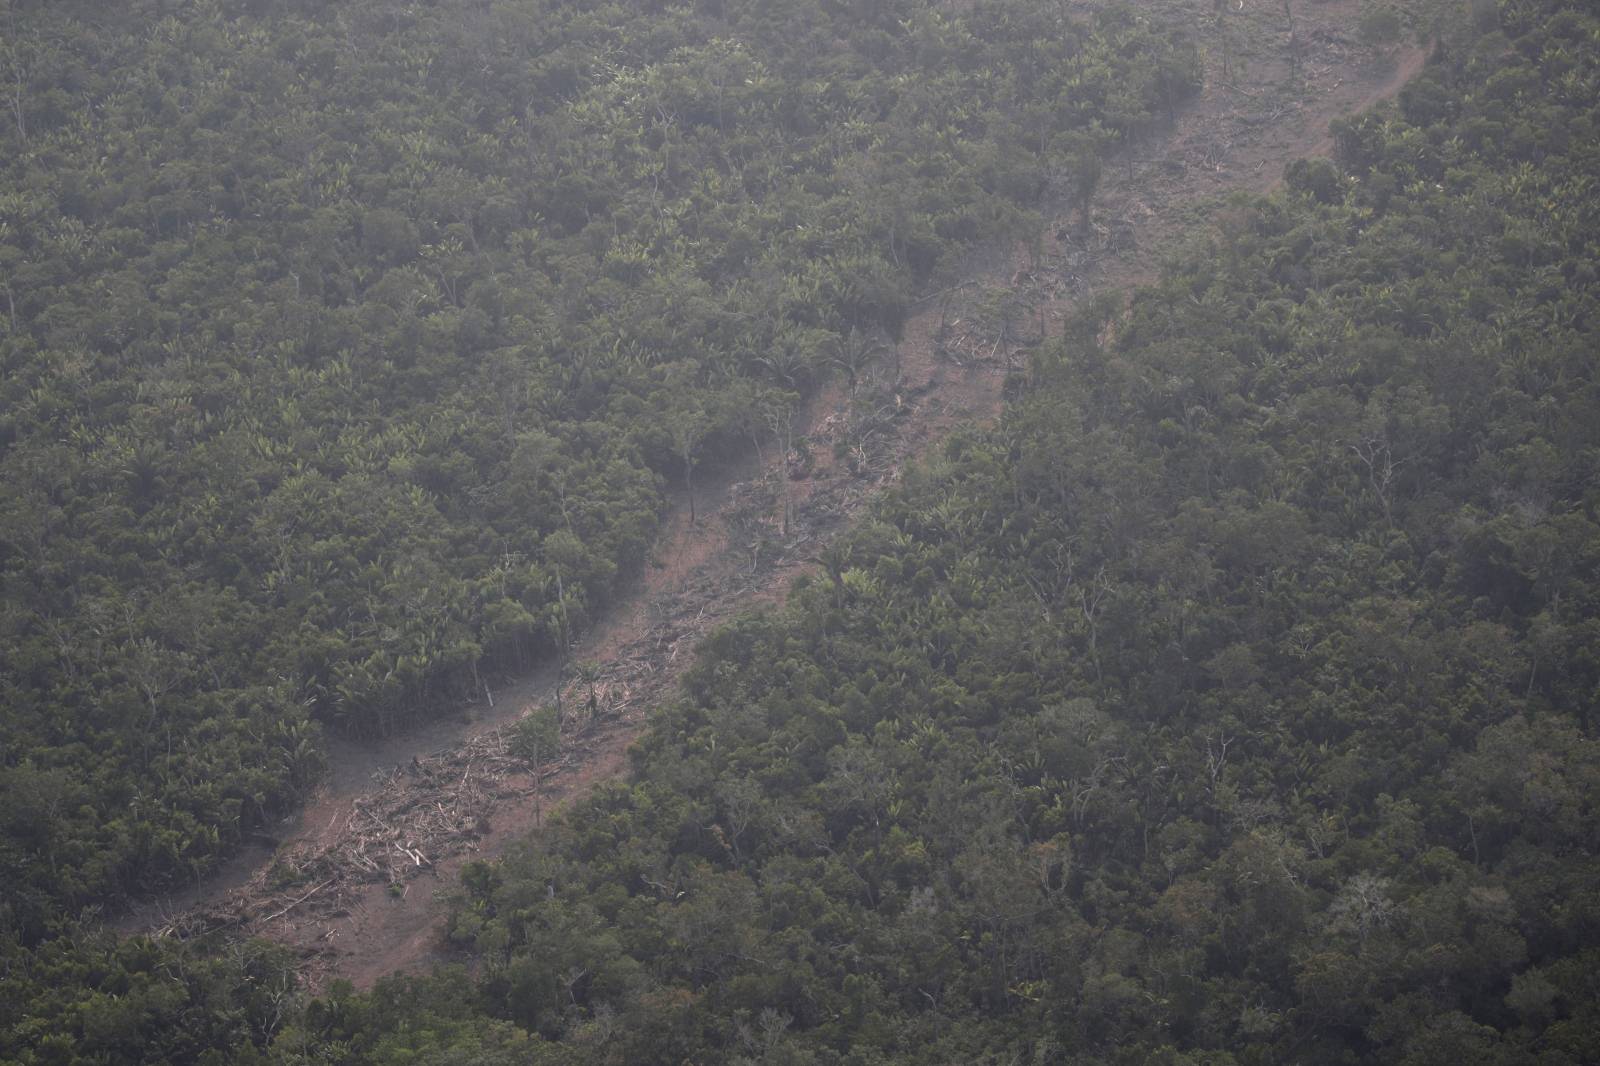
(355, 881)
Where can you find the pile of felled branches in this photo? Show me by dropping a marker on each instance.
(991, 332)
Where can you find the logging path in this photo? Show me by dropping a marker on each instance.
(357, 880)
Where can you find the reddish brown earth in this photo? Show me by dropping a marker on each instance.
(357, 880)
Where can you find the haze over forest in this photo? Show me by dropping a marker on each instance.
(1123, 621)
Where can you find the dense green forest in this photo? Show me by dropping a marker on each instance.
(1231, 701)
(346, 348)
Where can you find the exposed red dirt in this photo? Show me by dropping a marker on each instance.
(356, 880)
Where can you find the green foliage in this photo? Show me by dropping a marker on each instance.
(345, 348)
(93, 999)
(536, 736)
(1231, 702)
(1380, 25)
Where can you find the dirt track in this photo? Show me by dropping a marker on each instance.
(355, 881)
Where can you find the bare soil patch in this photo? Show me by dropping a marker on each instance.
(357, 878)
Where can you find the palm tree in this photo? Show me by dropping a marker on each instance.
(854, 353)
(589, 672)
